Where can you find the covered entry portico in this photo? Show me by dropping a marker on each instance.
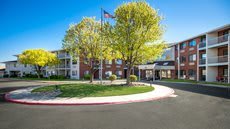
(155, 71)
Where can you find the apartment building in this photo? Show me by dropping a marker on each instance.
(204, 57)
(14, 68)
(68, 67)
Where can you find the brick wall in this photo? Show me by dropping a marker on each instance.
(186, 52)
(106, 67)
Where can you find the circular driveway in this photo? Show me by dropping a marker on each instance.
(24, 96)
(194, 107)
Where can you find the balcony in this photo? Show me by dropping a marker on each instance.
(64, 66)
(218, 60)
(218, 41)
(202, 45)
(202, 61)
(63, 56)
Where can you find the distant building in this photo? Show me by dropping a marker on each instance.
(2, 71)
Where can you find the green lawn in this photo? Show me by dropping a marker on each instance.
(196, 82)
(46, 79)
(93, 90)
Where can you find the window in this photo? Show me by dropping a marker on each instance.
(14, 65)
(182, 46)
(225, 52)
(25, 65)
(183, 59)
(225, 34)
(192, 43)
(182, 73)
(166, 63)
(192, 57)
(119, 73)
(203, 71)
(108, 61)
(118, 61)
(74, 73)
(203, 39)
(225, 72)
(176, 47)
(191, 73)
(86, 72)
(203, 56)
(108, 74)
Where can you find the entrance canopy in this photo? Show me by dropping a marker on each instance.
(156, 67)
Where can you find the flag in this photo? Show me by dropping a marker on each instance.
(107, 15)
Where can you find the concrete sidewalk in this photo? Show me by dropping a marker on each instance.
(24, 96)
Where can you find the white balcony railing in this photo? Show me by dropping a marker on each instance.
(64, 66)
(218, 40)
(202, 61)
(202, 44)
(218, 59)
(63, 56)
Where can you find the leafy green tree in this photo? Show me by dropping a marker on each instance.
(137, 34)
(83, 40)
(39, 58)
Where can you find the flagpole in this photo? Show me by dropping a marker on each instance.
(101, 47)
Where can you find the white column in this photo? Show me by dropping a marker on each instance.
(228, 56)
(139, 74)
(198, 60)
(178, 60)
(160, 74)
(71, 63)
(206, 60)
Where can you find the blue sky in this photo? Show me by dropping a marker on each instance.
(28, 24)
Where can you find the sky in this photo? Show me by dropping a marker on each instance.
(31, 24)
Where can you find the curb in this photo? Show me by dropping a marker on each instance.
(208, 85)
(7, 98)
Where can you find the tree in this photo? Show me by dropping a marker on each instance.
(39, 58)
(83, 40)
(137, 34)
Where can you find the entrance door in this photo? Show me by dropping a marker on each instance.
(157, 74)
(125, 73)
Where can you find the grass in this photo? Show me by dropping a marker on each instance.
(94, 90)
(46, 79)
(195, 82)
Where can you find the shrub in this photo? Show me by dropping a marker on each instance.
(87, 76)
(133, 78)
(6, 75)
(112, 77)
(57, 77)
(31, 76)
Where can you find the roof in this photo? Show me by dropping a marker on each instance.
(163, 63)
(10, 61)
(213, 30)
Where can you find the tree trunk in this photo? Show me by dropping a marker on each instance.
(38, 70)
(91, 75)
(128, 82)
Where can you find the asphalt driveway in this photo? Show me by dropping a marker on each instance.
(194, 107)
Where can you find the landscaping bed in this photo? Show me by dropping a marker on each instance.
(94, 90)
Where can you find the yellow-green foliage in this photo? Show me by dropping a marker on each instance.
(133, 78)
(84, 39)
(138, 32)
(38, 57)
(112, 77)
